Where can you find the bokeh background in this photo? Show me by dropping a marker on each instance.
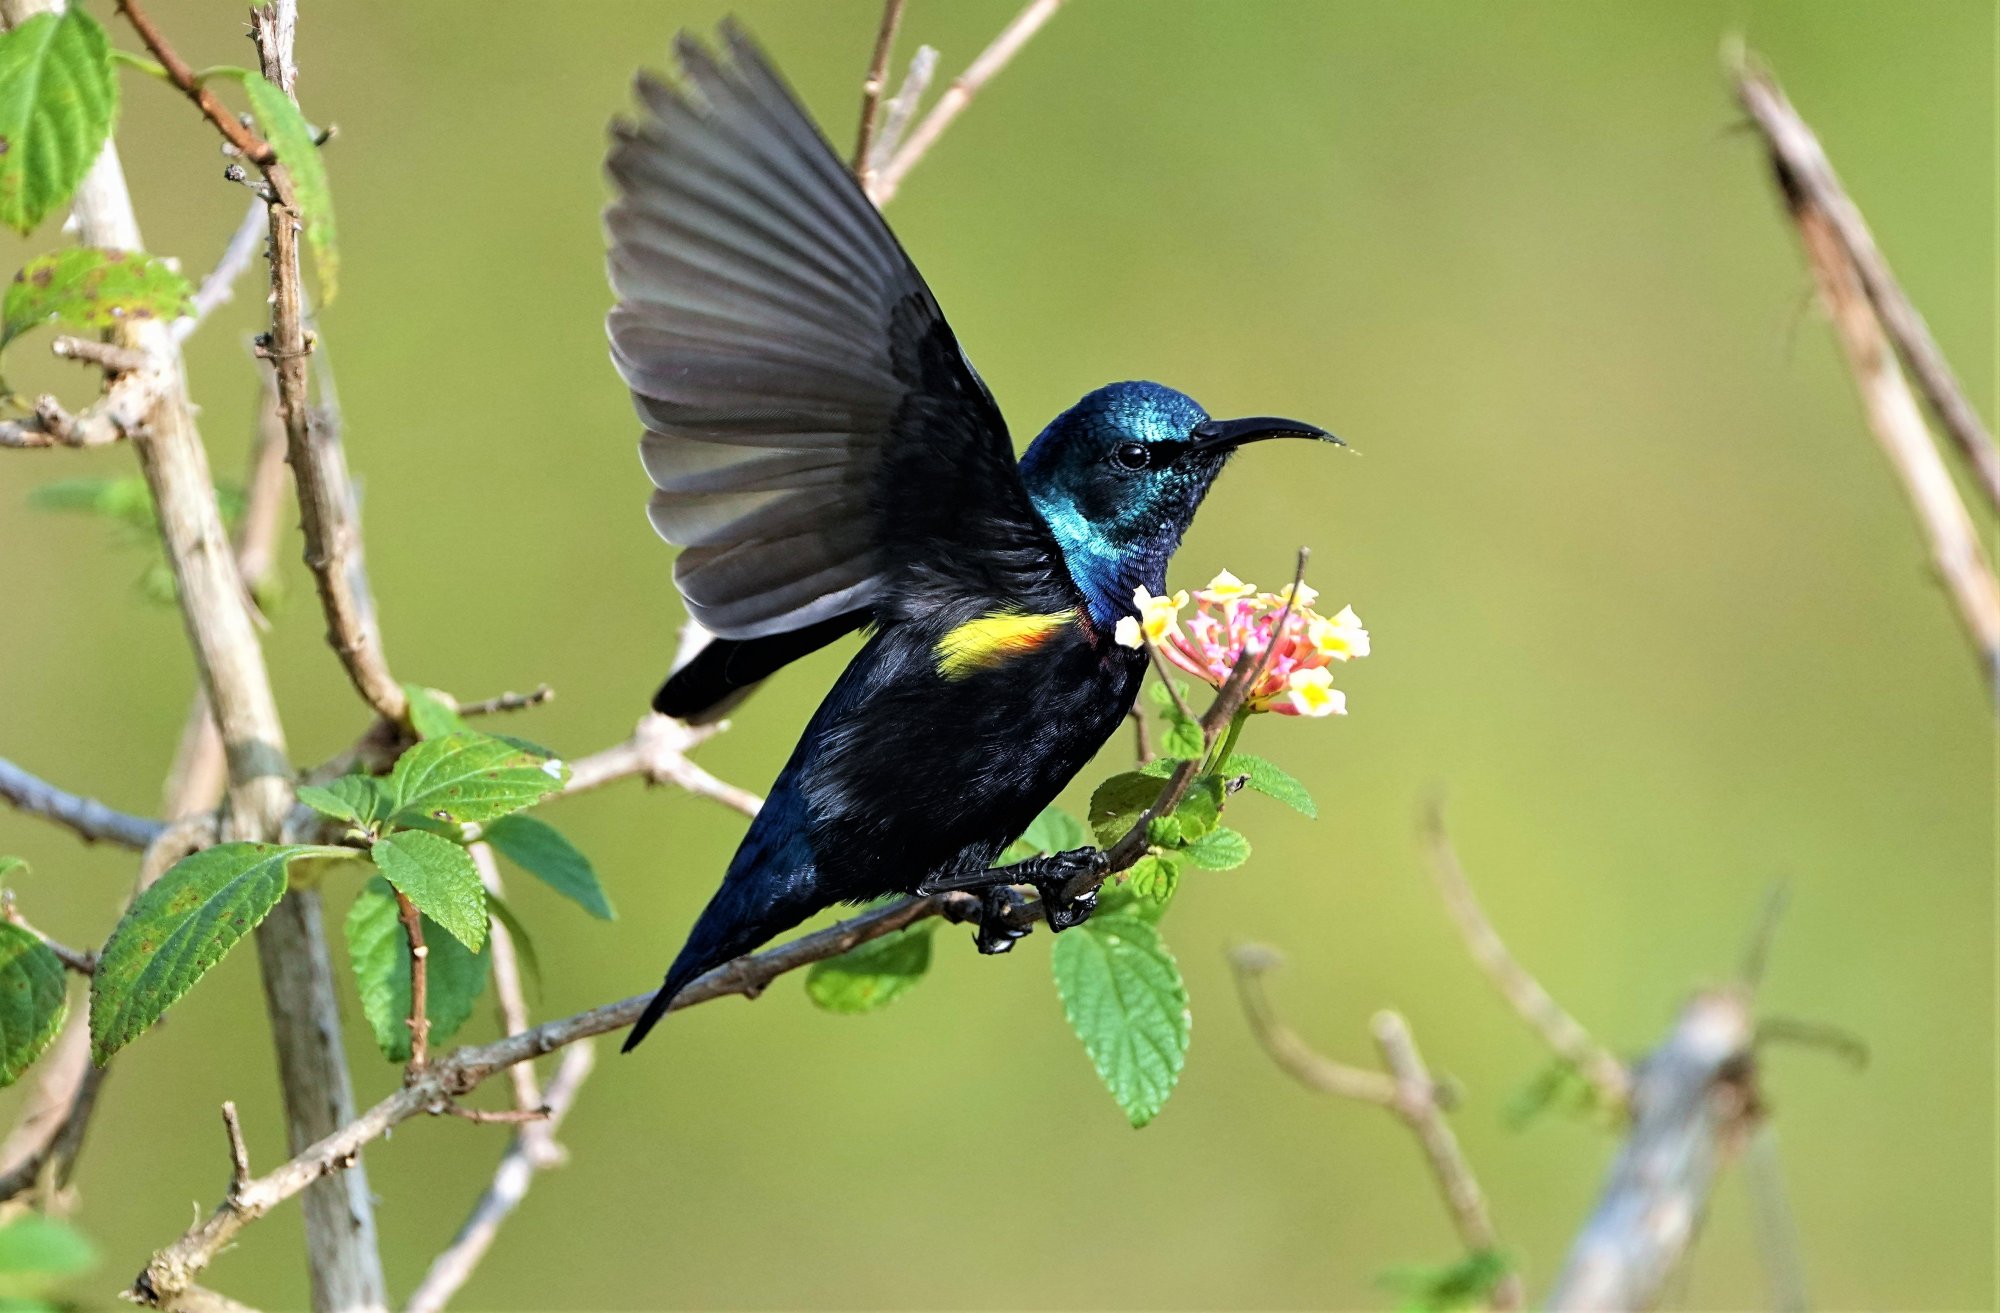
(1647, 604)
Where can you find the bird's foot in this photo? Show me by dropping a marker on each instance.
(1052, 878)
(997, 931)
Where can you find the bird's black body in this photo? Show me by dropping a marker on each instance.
(828, 459)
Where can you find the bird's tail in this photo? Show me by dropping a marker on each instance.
(743, 914)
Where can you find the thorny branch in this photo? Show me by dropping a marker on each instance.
(1407, 1091)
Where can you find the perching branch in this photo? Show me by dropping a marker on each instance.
(1407, 1091)
(1807, 178)
(959, 94)
(1862, 298)
(175, 1268)
(1564, 1035)
(91, 819)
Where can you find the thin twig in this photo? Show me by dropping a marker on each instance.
(532, 1149)
(319, 465)
(1407, 1091)
(658, 752)
(115, 416)
(507, 991)
(1808, 180)
(871, 87)
(1956, 551)
(508, 702)
(1142, 737)
(107, 356)
(253, 147)
(220, 284)
(1564, 1035)
(90, 819)
(960, 93)
(901, 109)
(84, 964)
(419, 1020)
(176, 1267)
(239, 1152)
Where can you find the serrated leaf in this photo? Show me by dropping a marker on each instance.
(439, 877)
(175, 931)
(1164, 832)
(1123, 995)
(431, 713)
(289, 134)
(1154, 878)
(469, 777)
(1270, 780)
(542, 851)
(1118, 802)
(871, 975)
(35, 1243)
(91, 288)
(524, 943)
(360, 799)
(1199, 808)
(57, 101)
(1221, 849)
(33, 999)
(1182, 739)
(379, 952)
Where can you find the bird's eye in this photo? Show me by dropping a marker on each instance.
(1132, 456)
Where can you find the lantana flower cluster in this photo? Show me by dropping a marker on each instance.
(1233, 622)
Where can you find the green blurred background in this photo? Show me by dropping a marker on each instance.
(1646, 602)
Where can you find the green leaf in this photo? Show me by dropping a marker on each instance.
(175, 931)
(872, 975)
(524, 944)
(1559, 1085)
(298, 150)
(1270, 780)
(542, 851)
(431, 713)
(33, 999)
(1182, 739)
(1199, 808)
(1116, 805)
(1466, 1284)
(1164, 832)
(468, 777)
(439, 877)
(357, 799)
(379, 951)
(1125, 999)
(57, 100)
(39, 1244)
(1154, 878)
(11, 866)
(91, 288)
(1221, 849)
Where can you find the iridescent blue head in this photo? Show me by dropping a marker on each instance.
(1118, 477)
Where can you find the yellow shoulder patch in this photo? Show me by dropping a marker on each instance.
(991, 639)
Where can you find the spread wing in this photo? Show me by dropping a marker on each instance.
(819, 444)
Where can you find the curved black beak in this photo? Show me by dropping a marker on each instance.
(1212, 435)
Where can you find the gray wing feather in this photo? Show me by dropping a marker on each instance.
(815, 436)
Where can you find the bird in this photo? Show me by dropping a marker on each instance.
(828, 460)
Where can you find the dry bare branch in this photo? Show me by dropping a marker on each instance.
(959, 94)
(1564, 1035)
(1807, 179)
(657, 751)
(871, 89)
(89, 818)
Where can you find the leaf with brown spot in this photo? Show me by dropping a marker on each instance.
(90, 288)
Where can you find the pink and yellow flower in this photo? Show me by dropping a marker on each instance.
(1233, 622)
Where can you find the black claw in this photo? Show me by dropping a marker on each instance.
(996, 933)
(1067, 913)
